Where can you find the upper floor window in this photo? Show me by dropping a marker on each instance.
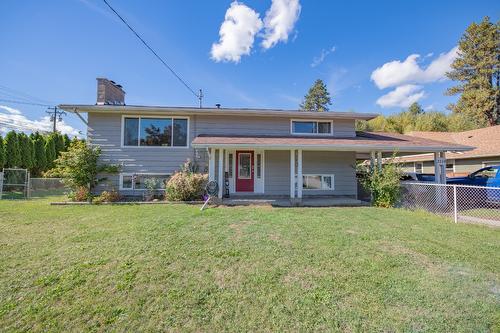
(152, 131)
(311, 127)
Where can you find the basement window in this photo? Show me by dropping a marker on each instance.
(137, 181)
(317, 182)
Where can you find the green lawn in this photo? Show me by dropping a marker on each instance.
(174, 268)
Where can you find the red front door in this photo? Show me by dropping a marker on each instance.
(244, 171)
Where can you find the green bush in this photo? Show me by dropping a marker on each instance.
(186, 186)
(384, 184)
(108, 196)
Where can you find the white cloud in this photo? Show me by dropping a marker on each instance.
(11, 118)
(402, 96)
(324, 53)
(396, 73)
(279, 21)
(237, 33)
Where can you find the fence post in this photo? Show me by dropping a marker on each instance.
(455, 208)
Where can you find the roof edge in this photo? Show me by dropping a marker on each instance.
(83, 108)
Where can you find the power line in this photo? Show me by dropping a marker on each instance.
(198, 95)
(21, 95)
(22, 102)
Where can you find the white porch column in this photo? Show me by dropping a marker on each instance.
(299, 174)
(221, 173)
(292, 173)
(211, 164)
(379, 160)
(440, 167)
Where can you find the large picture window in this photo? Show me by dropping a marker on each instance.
(155, 132)
(317, 182)
(311, 127)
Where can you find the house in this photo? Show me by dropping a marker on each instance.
(258, 151)
(459, 163)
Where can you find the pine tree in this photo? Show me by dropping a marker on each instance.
(59, 143)
(50, 151)
(2, 153)
(477, 69)
(39, 158)
(67, 142)
(12, 156)
(317, 99)
(25, 151)
(415, 109)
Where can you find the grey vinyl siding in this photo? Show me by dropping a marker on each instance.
(340, 164)
(242, 125)
(277, 172)
(104, 129)
(466, 166)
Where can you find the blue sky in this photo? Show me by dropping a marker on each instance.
(55, 49)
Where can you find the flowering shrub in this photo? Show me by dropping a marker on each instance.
(80, 194)
(109, 196)
(186, 186)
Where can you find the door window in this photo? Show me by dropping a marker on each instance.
(244, 166)
(487, 173)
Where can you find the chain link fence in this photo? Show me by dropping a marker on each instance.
(461, 203)
(42, 187)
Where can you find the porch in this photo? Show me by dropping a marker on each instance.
(291, 170)
(284, 201)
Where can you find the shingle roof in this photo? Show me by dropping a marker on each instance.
(364, 141)
(485, 140)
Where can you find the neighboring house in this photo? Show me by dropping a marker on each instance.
(259, 151)
(486, 152)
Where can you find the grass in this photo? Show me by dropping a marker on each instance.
(486, 213)
(172, 268)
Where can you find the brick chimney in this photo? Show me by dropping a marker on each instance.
(109, 93)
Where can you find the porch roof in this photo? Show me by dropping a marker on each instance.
(362, 142)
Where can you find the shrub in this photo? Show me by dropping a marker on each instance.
(384, 184)
(108, 196)
(186, 186)
(80, 194)
(78, 167)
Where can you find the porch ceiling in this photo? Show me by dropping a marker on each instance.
(363, 142)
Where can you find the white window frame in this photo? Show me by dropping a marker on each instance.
(122, 132)
(450, 162)
(415, 167)
(323, 188)
(489, 163)
(131, 174)
(312, 121)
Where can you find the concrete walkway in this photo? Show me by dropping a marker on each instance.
(337, 201)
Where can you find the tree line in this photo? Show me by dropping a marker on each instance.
(416, 119)
(35, 152)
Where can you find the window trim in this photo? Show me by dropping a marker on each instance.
(127, 174)
(313, 121)
(122, 131)
(322, 182)
(415, 167)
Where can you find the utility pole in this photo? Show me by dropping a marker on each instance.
(55, 116)
(200, 97)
